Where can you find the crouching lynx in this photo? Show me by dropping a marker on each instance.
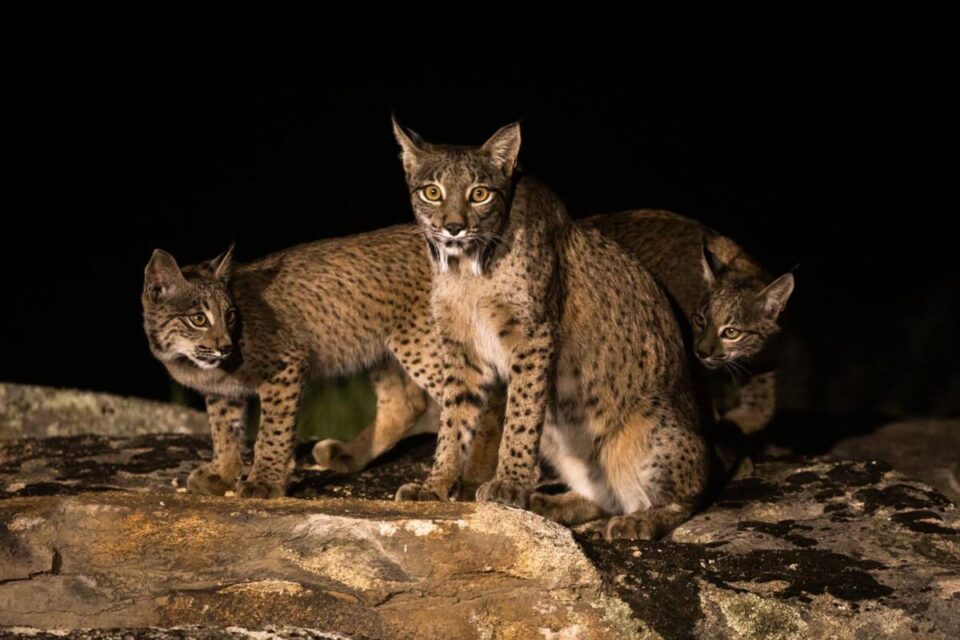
(587, 342)
(727, 299)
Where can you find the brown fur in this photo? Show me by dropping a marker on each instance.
(584, 337)
(392, 308)
(715, 284)
(325, 308)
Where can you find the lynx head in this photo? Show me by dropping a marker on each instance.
(460, 195)
(188, 314)
(737, 314)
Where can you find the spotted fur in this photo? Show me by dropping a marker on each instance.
(325, 308)
(717, 287)
(586, 341)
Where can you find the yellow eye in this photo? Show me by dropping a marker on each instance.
(730, 333)
(198, 320)
(479, 194)
(230, 316)
(431, 193)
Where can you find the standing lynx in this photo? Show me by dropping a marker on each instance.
(236, 331)
(585, 339)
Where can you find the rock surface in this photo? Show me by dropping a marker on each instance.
(928, 450)
(38, 412)
(363, 568)
(804, 549)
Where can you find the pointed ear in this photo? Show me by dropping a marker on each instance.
(162, 277)
(412, 146)
(711, 264)
(503, 147)
(774, 297)
(220, 266)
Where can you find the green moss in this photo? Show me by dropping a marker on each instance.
(336, 408)
(331, 408)
(756, 618)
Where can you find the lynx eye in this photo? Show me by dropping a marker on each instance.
(731, 334)
(699, 320)
(479, 195)
(230, 316)
(431, 193)
(198, 319)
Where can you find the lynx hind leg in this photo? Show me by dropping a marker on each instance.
(649, 524)
(657, 466)
(568, 508)
(758, 403)
(400, 404)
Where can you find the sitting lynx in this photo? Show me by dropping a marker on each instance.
(585, 339)
(676, 250)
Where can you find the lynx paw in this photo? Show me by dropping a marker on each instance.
(415, 492)
(504, 492)
(544, 505)
(332, 454)
(259, 489)
(209, 481)
(630, 527)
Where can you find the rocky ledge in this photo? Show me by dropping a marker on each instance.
(28, 411)
(96, 533)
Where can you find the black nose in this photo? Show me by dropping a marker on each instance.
(225, 350)
(453, 228)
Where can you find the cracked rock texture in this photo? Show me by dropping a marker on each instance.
(96, 533)
(363, 568)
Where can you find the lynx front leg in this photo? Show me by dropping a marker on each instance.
(273, 454)
(466, 385)
(758, 403)
(400, 403)
(517, 469)
(227, 428)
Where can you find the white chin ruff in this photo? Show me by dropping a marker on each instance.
(205, 365)
(445, 253)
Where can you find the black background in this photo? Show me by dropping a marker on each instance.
(832, 164)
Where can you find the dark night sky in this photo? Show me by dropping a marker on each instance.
(828, 164)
